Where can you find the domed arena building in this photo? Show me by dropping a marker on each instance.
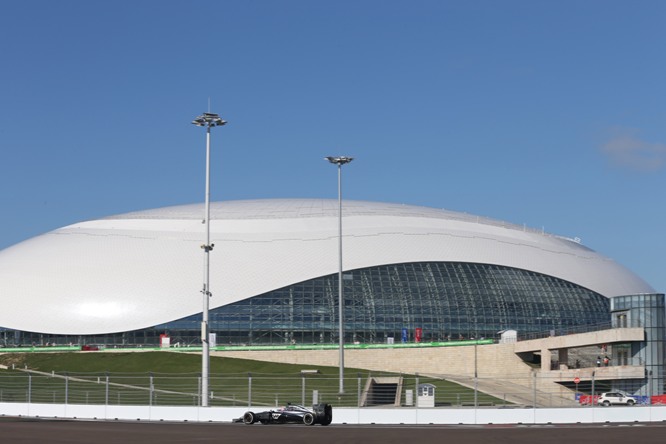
(126, 279)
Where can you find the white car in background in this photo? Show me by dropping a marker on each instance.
(616, 398)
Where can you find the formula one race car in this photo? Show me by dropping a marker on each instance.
(293, 414)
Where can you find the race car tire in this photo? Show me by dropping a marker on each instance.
(308, 419)
(249, 418)
(323, 413)
(328, 415)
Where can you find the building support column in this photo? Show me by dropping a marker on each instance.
(563, 358)
(545, 360)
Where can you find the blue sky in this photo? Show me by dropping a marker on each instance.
(544, 113)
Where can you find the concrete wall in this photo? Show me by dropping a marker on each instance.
(610, 336)
(492, 360)
(600, 373)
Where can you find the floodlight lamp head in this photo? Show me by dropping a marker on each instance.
(339, 160)
(209, 120)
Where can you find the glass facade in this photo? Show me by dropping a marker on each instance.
(647, 311)
(445, 300)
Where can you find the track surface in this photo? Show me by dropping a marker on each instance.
(19, 431)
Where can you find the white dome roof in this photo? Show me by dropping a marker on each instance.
(145, 268)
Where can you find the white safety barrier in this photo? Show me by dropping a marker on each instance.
(347, 415)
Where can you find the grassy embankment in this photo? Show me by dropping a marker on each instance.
(175, 380)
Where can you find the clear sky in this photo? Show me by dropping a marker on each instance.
(545, 113)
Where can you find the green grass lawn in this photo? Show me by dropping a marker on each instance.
(167, 378)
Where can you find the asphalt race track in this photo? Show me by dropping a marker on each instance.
(18, 431)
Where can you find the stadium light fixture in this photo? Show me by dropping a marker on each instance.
(209, 120)
(339, 161)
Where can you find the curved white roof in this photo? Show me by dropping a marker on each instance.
(145, 268)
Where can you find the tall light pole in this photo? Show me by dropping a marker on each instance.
(209, 120)
(339, 161)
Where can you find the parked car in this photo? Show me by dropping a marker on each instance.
(616, 398)
(292, 414)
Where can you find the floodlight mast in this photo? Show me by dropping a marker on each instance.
(339, 161)
(209, 120)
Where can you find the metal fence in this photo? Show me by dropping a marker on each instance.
(239, 390)
(271, 390)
